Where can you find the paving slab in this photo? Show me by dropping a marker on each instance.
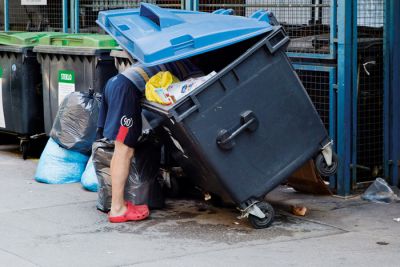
(59, 225)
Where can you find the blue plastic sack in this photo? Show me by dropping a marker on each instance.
(58, 165)
(89, 178)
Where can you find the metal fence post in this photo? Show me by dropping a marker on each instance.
(392, 65)
(354, 94)
(72, 16)
(189, 4)
(76, 7)
(196, 5)
(65, 15)
(6, 16)
(344, 118)
(387, 106)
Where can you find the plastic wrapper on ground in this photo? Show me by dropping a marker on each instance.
(58, 165)
(89, 177)
(142, 186)
(380, 192)
(75, 125)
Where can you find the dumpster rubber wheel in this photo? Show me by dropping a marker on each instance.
(24, 147)
(323, 169)
(174, 190)
(260, 223)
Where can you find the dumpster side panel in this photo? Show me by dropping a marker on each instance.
(6, 59)
(22, 102)
(32, 99)
(192, 160)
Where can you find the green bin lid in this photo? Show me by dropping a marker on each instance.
(98, 41)
(24, 39)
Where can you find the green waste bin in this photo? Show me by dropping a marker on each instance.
(73, 62)
(122, 60)
(21, 104)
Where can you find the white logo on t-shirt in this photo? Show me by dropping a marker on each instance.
(126, 122)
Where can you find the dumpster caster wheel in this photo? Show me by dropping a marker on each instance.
(24, 147)
(173, 190)
(260, 223)
(323, 168)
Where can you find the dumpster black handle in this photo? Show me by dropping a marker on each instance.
(276, 40)
(248, 122)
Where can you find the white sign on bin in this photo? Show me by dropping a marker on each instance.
(34, 2)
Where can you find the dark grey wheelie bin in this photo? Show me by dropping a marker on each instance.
(73, 62)
(21, 104)
(244, 131)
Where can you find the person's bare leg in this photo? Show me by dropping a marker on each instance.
(120, 164)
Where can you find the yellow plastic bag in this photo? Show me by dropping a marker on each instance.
(156, 87)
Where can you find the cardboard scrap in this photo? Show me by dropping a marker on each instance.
(307, 180)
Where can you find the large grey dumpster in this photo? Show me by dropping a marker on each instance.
(245, 130)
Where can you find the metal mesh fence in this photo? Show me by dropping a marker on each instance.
(370, 77)
(178, 4)
(35, 18)
(89, 9)
(306, 21)
(1, 16)
(317, 85)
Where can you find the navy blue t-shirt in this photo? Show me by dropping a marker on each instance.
(120, 112)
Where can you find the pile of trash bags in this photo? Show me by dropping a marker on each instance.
(66, 157)
(73, 155)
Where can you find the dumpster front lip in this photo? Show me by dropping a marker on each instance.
(15, 48)
(62, 50)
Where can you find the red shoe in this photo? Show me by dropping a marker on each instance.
(143, 208)
(133, 213)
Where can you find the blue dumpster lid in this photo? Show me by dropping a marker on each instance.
(155, 35)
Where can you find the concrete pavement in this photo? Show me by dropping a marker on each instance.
(58, 225)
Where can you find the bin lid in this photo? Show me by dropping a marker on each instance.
(98, 41)
(155, 35)
(23, 39)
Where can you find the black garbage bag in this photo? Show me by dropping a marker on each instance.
(75, 125)
(143, 185)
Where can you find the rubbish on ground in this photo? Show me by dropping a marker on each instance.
(89, 178)
(396, 219)
(383, 243)
(299, 210)
(307, 180)
(380, 192)
(142, 186)
(75, 125)
(58, 165)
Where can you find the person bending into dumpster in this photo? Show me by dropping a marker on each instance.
(120, 121)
